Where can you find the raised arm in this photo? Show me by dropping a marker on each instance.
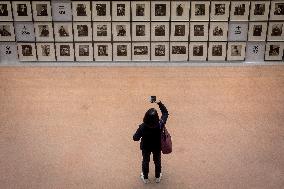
(164, 111)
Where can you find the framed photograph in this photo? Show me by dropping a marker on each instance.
(257, 31)
(84, 52)
(217, 51)
(103, 51)
(27, 52)
(160, 31)
(24, 31)
(63, 31)
(101, 11)
(102, 31)
(238, 31)
(275, 31)
(61, 10)
(240, 10)
(277, 10)
(160, 51)
(8, 52)
(236, 51)
(218, 31)
(7, 31)
(141, 51)
(121, 51)
(82, 31)
(42, 11)
(140, 31)
(43, 31)
(199, 31)
(220, 10)
(121, 31)
(198, 51)
(255, 52)
(64, 51)
(22, 11)
(5, 11)
(179, 51)
(160, 10)
(45, 51)
(259, 10)
(140, 10)
(200, 10)
(121, 10)
(274, 51)
(180, 10)
(179, 31)
(81, 11)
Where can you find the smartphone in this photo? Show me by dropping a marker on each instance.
(153, 99)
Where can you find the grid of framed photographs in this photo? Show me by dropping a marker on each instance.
(70, 30)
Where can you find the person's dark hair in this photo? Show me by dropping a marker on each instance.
(151, 117)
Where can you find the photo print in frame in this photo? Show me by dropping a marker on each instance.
(236, 51)
(180, 10)
(82, 31)
(141, 51)
(45, 51)
(42, 11)
(61, 10)
(274, 51)
(101, 10)
(239, 10)
(178, 51)
(218, 31)
(277, 10)
(63, 31)
(27, 52)
(140, 10)
(257, 31)
(121, 31)
(84, 52)
(64, 52)
(6, 11)
(198, 51)
(103, 51)
(200, 10)
(179, 31)
(160, 31)
(121, 10)
(217, 51)
(160, 51)
(275, 31)
(22, 11)
(121, 51)
(43, 31)
(140, 31)
(101, 31)
(220, 10)
(160, 10)
(198, 31)
(7, 31)
(81, 10)
(259, 10)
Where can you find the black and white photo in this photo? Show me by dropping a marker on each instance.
(103, 51)
(141, 51)
(27, 52)
(199, 31)
(63, 31)
(101, 10)
(121, 10)
(140, 10)
(239, 10)
(259, 10)
(160, 31)
(198, 51)
(140, 31)
(102, 31)
(200, 10)
(43, 31)
(217, 51)
(7, 31)
(219, 10)
(218, 31)
(275, 31)
(64, 51)
(274, 51)
(160, 10)
(180, 10)
(82, 31)
(81, 10)
(178, 51)
(5, 11)
(160, 51)
(22, 10)
(279, 9)
(45, 51)
(121, 31)
(257, 31)
(121, 51)
(84, 52)
(179, 31)
(41, 11)
(236, 51)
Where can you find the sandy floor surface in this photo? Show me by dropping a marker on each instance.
(71, 128)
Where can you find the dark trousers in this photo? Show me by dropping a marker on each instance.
(145, 162)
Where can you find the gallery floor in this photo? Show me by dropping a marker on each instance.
(72, 127)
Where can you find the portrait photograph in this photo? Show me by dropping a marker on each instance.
(239, 10)
(180, 10)
(101, 31)
(259, 10)
(43, 31)
(45, 51)
(61, 11)
(277, 10)
(22, 10)
(198, 51)
(120, 10)
(140, 31)
(121, 31)
(200, 10)
(160, 51)
(81, 11)
(103, 51)
(217, 51)
(24, 31)
(27, 52)
(179, 31)
(218, 31)
(101, 10)
(257, 31)
(6, 11)
(199, 31)
(220, 10)
(140, 10)
(7, 31)
(63, 31)
(275, 31)
(160, 31)
(160, 10)
(64, 52)
(274, 51)
(42, 11)
(141, 51)
(236, 51)
(179, 51)
(84, 52)
(82, 31)
(121, 51)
